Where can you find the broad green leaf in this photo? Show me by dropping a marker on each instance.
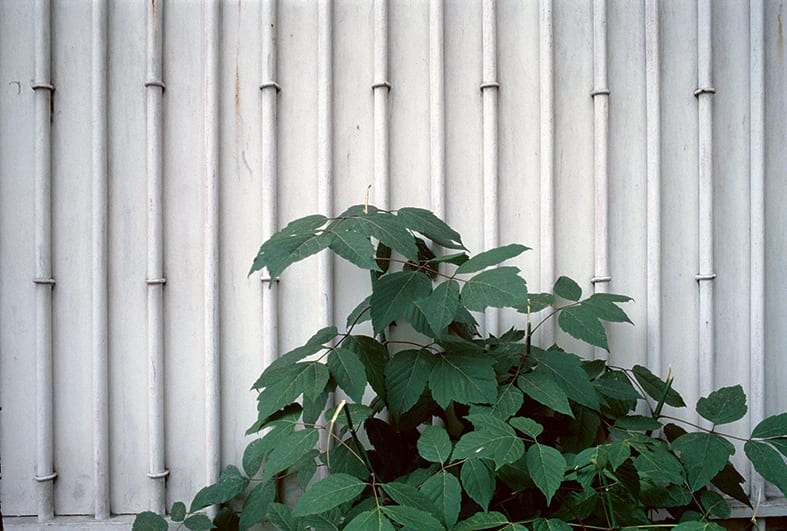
(328, 493)
(307, 378)
(229, 485)
(771, 427)
(567, 288)
(509, 400)
(637, 423)
(284, 362)
(355, 248)
(405, 378)
(256, 505)
(492, 438)
(348, 371)
(387, 229)
(178, 511)
(372, 520)
(360, 313)
(528, 426)
(374, 356)
(659, 465)
(332, 520)
(606, 308)
(408, 495)
(478, 480)
(566, 369)
(394, 293)
(358, 413)
(277, 254)
(780, 444)
(581, 323)
(768, 463)
(456, 259)
(290, 451)
(696, 525)
(412, 517)
(281, 516)
(729, 481)
(425, 222)
(463, 378)
(440, 306)
(490, 258)
(444, 491)
(546, 466)
(541, 387)
(257, 449)
(198, 522)
(479, 521)
(434, 445)
(723, 406)
(150, 521)
(345, 458)
(496, 288)
(654, 386)
(552, 524)
(538, 301)
(615, 384)
(274, 252)
(714, 504)
(703, 456)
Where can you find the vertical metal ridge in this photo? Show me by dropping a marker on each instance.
(381, 87)
(706, 274)
(437, 108)
(653, 170)
(600, 94)
(547, 157)
(489, 95)
(212, 14)
(757, 225)
(42, 84)
(154, 88)
(100, 303)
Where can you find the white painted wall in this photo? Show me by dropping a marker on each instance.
(523, 128)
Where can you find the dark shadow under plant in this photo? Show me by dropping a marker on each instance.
(450, 429)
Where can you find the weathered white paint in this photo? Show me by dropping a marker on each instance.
(380, 88)
(277, 147)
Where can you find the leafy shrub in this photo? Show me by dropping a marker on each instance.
(449, 429)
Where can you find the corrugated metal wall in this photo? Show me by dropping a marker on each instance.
(638, 146)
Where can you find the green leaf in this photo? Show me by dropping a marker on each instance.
(581, 323)
(654, 386)
(567, 288)
(768, 463)
(659, 465)
(348, 371)
(771, 427)
(405, 494)
(729, 481)
(566, 369)
(780, 444)
(360, 313)
(478, 480)
(552, 524)
(697, 525)
(281, 517)
(546, 466)
(354, 247)
(256, 505)
(528, 426)
(541, 387)
(726, 405)
(328, 493)
(440, 306)
(456, 259)
(615, 384)
(307, 378)
(444, 491)
(374, 356)
(492, 438)
(405, 378)
(485, 520)
(496, 288)
(463, 378)
(412, 517)
(434, 445)
(290, 451)
(284, 362)
(178, 511)
(290, 245)
(198, 522)
(509, 400)
(372, 520)
(425, 222)
(150, 521)
(714, 504)
(394, 293)
(538, 301)
(490, 258)
(387, 229)
(358, 413)
(229, 485)
(605, 307)
(637, 423)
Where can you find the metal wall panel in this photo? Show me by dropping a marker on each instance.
(503, 98)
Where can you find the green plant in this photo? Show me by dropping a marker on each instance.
(446, 429)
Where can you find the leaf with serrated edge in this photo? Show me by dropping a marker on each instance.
(724, 405)
(479, 521)
(348, 371)
(328, 493)
(528, 426)
(541, 387)
(281, 516)
(290, 451)
(654, 386)
(405, 494)
(768, 463)
(405, 378)
(496, 288)
(566, 369)
(149, 521)
(285, 361)
(583, 324)
(773, 426)
(492, 438)
(394, 293)
(256, 505)
(434, 445)
(567, 288)
(491, 257)
(437, 230)
(229, 485)
(440, 306)
(355, 248)
(372, 520)
(198, 522)
(463, 378)
(388, 230)
(412, 517)
(478, 480)
(546, 466)
(551, 524)
(446, 493)
(606, 309)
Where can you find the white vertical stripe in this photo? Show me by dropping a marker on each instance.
(489, 94)
(757, 225)
(381, 88)
(653, 169)
(547, 157)
(45, 454)
(211, 14)
(706, 275)
(437, 108)
(154, 88)
(100, 323)
(601, 275)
